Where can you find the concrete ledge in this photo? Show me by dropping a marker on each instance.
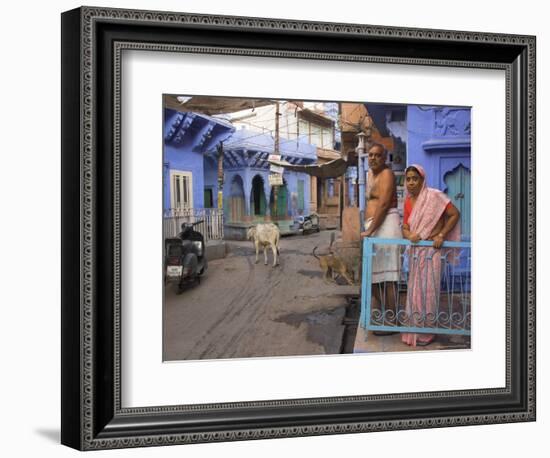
(237, 230)
(369, 343)
(215, 249)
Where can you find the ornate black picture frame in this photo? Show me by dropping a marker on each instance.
(92, 42)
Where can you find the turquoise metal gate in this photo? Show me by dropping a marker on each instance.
(432, 293)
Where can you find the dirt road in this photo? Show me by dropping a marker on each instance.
(242, 309)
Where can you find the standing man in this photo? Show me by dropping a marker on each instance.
(382, 220)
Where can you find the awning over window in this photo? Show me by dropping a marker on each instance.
(332, 169)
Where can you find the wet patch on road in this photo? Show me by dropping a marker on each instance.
(335, 329)
(324, 327)
(310, 273)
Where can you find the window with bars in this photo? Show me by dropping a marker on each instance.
(181, 189)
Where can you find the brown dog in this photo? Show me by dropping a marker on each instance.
(330, 264)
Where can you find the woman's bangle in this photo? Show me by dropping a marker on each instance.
(441, 235)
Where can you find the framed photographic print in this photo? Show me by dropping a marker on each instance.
(276, 228)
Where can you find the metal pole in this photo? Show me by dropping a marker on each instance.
(220, 176)
(343, 176)
(276, 151)
(361, 172)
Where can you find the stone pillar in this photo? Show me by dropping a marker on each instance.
(247, 192)
(267, 194)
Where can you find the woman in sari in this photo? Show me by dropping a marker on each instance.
(428, 215)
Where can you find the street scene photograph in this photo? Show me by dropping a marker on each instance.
(298, 227)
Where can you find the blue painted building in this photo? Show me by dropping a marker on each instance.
(190, 162)
(189, 179)
(247, 193)
(439, 139)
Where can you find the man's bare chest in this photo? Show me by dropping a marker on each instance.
(374, 189)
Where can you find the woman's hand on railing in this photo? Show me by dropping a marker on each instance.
(438, 241)
(414, 238)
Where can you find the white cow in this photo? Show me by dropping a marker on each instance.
(265, 234)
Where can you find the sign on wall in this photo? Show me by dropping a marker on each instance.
(276, 169)
(275, 179)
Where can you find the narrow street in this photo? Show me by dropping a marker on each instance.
(242, 309)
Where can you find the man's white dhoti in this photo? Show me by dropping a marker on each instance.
(386, 262)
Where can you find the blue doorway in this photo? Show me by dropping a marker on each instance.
(458, 189)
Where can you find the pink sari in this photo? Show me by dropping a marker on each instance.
(425, 262)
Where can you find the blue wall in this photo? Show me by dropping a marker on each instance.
(211, 178)
(290, 178)
(439, 140)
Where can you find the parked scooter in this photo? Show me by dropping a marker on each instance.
(307, 224)
(185, 257)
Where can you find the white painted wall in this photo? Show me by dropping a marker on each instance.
(29, 146)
